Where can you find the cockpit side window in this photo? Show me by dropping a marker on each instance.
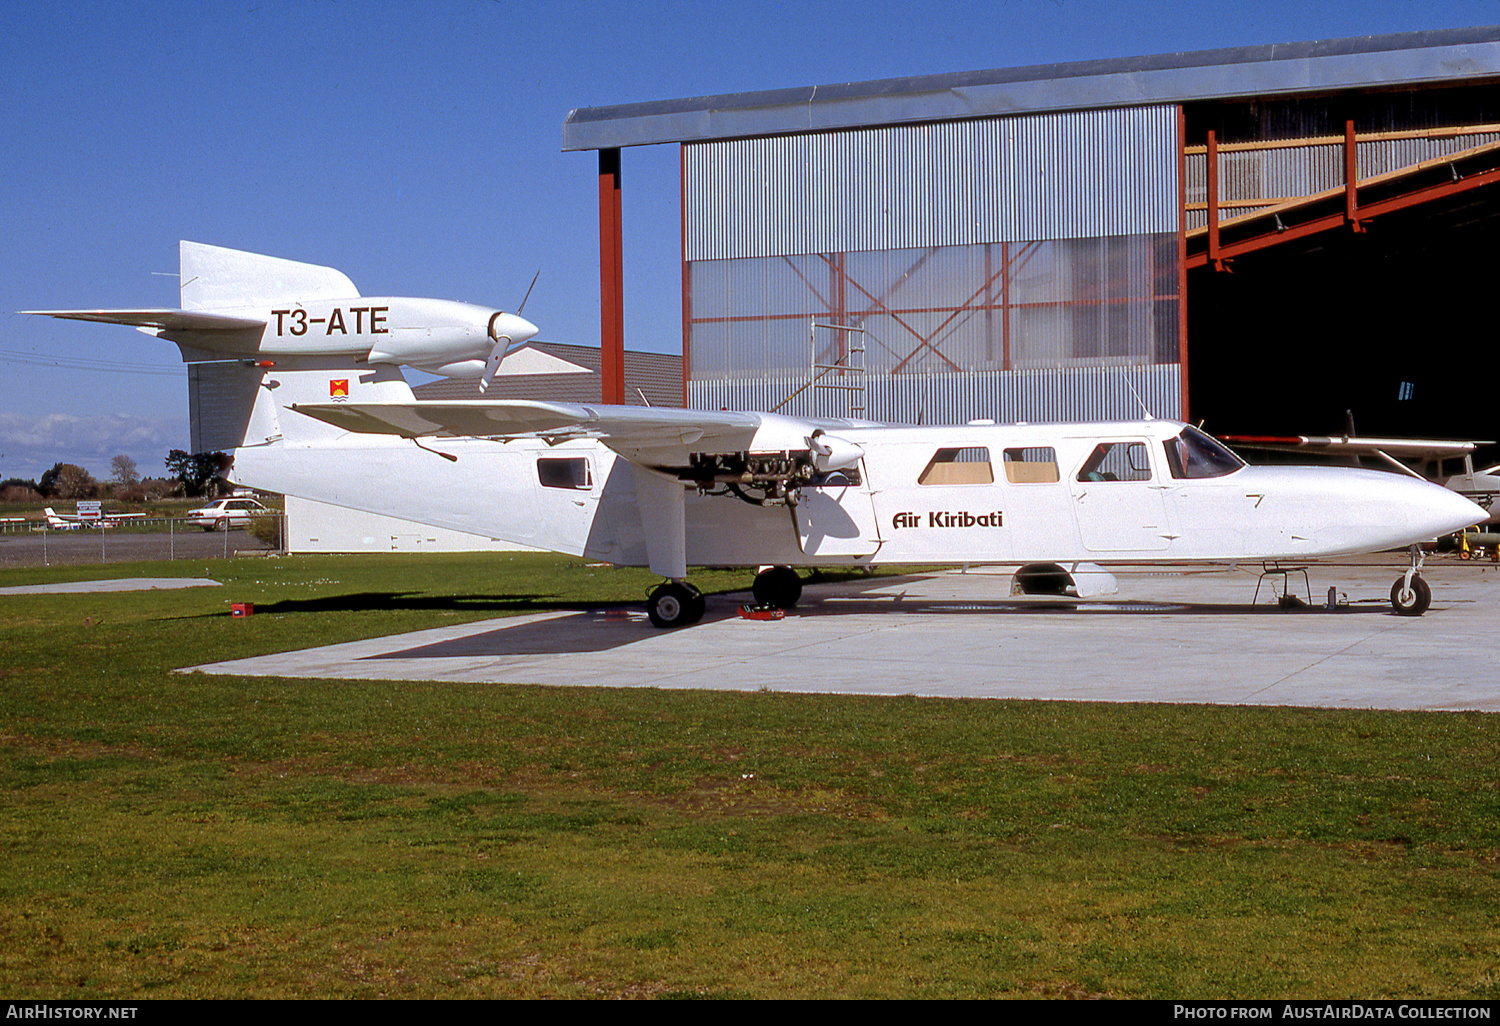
(1117, 461)
(1194, 455)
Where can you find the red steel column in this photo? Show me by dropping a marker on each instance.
(1211, 158)
(687, 273)
(611, 280)
(1351, 177)
(1182, 289)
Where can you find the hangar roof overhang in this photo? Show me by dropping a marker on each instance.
(1281, 69)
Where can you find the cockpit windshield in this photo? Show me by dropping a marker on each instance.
(1193, 454)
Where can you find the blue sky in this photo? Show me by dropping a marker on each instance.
(416, 147)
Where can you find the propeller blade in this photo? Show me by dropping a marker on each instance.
(492, 365)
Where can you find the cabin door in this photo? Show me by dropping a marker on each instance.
(1117, 499)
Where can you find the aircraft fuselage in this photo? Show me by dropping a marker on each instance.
(1000, 493)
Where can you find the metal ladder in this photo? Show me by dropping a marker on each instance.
(850, 367)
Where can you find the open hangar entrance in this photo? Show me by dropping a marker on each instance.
(1372, 296)
(1396, 325)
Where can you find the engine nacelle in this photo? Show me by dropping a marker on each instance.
(446, 337)
(469, 369)
(829, 452)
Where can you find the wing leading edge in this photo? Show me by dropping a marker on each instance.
(644, 434)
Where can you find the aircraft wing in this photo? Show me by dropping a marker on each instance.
(160, 320)
(643, 434)
(1420, 448)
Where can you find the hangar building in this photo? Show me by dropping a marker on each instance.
(1263, 237)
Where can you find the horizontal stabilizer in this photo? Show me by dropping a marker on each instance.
(161, 320)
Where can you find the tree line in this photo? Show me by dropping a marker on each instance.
(189, 474)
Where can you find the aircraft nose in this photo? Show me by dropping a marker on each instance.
(511, 327)
(1437, 511)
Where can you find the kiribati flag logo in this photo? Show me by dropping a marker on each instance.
(338, 389)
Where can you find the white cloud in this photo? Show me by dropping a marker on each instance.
(29, 445)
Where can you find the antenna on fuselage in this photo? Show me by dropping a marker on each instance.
(520, 309)
(1145, 410)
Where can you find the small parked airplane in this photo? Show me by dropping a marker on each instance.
(72, 522)
(309, 416)
(58, 522)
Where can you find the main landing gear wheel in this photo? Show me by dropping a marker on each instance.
(1412, 599)
(675, 604)
(777, 586)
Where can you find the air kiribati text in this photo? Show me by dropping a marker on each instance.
(943, 518)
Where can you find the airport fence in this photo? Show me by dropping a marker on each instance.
(29, 542)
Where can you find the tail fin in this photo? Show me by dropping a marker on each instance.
(215, 278)
(235, 403)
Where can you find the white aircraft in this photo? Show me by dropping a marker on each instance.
(73, 521)
(58, 522)
(669, 488)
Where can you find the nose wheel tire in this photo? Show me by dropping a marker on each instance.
(675, 604)
(1410, 600)
(777, 586)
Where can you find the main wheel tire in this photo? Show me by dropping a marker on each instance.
(777, 586)
(700, 604)
(1411, 601)
(675, 605)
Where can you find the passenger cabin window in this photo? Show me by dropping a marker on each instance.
(959, 466)
(1193, 454)
(1034, 465)
(1117, 461)
(564, 472)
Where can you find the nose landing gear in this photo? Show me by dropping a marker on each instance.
(1410, 595)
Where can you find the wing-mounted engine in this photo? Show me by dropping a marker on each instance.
(759, 478)
(776, 478)
(831, 507)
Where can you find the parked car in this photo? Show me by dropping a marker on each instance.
(223, 514)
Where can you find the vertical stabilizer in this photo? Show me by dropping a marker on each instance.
(234, 403)
(215, 278)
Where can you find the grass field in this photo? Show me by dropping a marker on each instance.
(171, 835)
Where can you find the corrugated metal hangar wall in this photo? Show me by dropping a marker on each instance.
(1021, 268)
